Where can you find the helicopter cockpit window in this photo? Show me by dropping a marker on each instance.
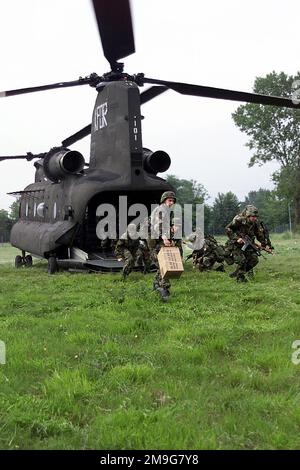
(41, 209)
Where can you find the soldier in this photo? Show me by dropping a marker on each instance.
(127, 249)
(143, 259)
(209, 254)
(161, 236)
(241, 248)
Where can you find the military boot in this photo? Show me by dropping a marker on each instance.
(220, 268)
(250, 274)
(233, 274)
(146, 269)
(241, 278)
(164, 293)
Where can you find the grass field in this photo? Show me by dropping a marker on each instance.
(93, 362)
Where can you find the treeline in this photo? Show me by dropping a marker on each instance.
(273, 134)
(273, 210)
(7, 219)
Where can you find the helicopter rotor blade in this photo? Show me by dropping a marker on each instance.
(30, 156)
(223, 94)
(21, 91)
(77, 136)
(152, 93)
(115, 28)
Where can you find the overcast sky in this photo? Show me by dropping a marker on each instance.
(217, 43)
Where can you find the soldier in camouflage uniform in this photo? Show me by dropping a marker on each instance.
(143, 259)
(127, 249)
(161, 236)
(244, 226)
(210, 253)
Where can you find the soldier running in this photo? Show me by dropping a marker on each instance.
(161, 236)
(241, 247)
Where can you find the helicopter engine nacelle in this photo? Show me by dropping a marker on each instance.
(155, 162)
(61, 162)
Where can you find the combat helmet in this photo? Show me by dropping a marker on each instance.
(251, 210)
(167, 194)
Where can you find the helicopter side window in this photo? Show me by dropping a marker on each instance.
(41, 209)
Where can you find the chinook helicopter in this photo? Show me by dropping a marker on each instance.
(58, 212)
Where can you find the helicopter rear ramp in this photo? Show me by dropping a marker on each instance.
(94, 261)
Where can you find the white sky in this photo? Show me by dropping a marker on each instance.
(217, 43)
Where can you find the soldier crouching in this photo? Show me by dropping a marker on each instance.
(212, 253)
(209, 253)
(241, 248)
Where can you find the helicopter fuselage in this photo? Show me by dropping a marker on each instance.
(57, 214)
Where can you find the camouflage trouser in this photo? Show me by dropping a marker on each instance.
(245, 260)
(206, 262)
(154, 247)
(143, 259)
(129, 258)
(205, 259)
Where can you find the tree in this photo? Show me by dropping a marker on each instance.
(225, 207)
(274, 134)
(190, 192)
(14, 211)
(4, 226)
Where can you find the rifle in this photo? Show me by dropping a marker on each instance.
(266, 235)
(267, 250)
(189, 257)
(248, 243)
(255, 246)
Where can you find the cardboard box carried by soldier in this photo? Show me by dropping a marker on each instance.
(170, 262)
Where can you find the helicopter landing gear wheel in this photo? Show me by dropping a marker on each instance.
(52, 265)
(18, 261)
(28, 261)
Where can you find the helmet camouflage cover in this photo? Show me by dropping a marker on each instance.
(251, 210)
(167, 194)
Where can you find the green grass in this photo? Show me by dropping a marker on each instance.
(96, 363)
(8, 253)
